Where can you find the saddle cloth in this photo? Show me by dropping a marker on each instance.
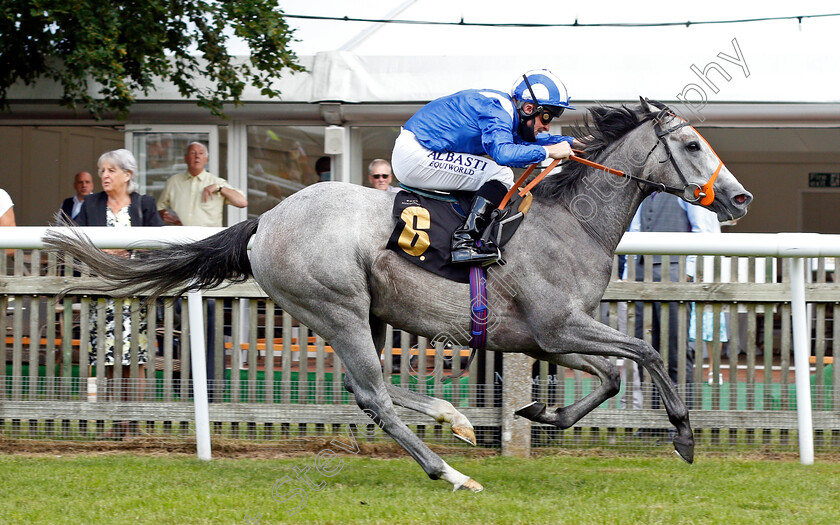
(424, 227)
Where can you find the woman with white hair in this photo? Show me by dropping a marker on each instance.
(119, 206)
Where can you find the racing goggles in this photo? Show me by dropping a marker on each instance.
(549, 113)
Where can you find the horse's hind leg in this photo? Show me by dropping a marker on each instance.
(365, 379)
(440, 410)
(565, 417)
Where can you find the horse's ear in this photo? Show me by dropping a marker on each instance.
(645, 105)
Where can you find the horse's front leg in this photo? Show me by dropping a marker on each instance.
(582, 334)
(565, 417)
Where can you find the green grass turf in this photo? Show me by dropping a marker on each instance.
(115, 489)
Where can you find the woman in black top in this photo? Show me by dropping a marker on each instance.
(119, 206)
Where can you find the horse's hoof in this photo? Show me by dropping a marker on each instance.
(465, 434)
(531, 410)
(684, 448)
(472, 485)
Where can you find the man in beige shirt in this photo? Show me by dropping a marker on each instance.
(197, 197)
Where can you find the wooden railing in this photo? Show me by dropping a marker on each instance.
(749, 393)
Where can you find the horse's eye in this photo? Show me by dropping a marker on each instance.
(693, 146)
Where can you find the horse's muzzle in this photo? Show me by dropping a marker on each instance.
(732, 207)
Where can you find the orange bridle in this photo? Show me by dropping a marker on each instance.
(704, 194)
(707, 191)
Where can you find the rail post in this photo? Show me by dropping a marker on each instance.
(516, 393)
(199, 375)
(801, 353)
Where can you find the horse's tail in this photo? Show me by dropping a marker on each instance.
(179, 267)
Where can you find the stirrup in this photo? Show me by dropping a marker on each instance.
(472, 255)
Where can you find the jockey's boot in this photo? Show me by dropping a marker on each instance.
(464, 246)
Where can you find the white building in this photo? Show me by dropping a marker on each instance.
(763, 93)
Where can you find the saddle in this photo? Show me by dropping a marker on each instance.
(425, 221)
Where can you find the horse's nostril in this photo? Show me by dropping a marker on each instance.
(742, 198)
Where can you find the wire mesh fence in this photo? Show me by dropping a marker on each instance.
(132, 410)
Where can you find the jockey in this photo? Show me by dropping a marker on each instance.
(445, 145)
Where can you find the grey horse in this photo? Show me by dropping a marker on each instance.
(320, 254)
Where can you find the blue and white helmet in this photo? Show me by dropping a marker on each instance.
(545, 86)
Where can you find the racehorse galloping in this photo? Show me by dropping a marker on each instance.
(320, 255)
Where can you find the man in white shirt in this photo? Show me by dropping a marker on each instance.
(7, 211)
(197, 197)
(7, 214)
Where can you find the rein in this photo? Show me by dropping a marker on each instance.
(657, 185)
(691, 192)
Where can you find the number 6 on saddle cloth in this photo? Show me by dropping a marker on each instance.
(425, 222)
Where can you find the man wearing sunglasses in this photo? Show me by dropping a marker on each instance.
(379, 175)
(469, 141)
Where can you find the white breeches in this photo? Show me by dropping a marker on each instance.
(425, 169)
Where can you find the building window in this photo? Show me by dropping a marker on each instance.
(281, 161)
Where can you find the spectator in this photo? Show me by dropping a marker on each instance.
(322, 168)
(708, 319)
(196, 197)
(380, 175)
(118, 206)
(7, 209)
(83, 184)
(663, 212)
(7, 213)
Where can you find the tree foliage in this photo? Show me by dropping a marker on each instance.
(104, 52)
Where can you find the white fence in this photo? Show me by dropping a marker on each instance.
(796, 246)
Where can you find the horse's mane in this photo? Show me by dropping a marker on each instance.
(602, 126)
